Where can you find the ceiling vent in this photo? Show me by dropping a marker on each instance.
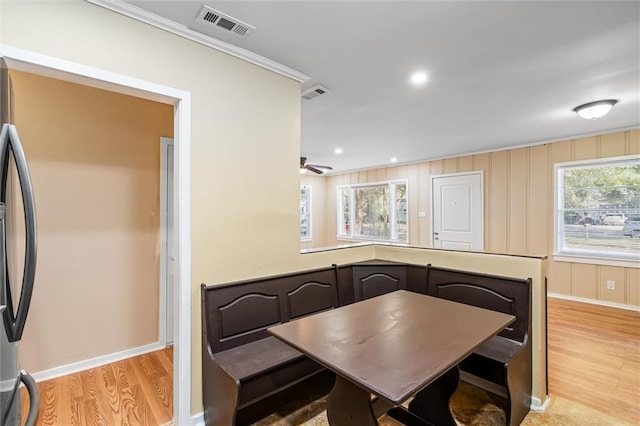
(211, 19)
(314, 92)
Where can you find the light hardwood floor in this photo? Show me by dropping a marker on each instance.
(594, 361)
(134, 391)
(594, 357)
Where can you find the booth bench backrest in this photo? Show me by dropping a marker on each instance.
(371, 280)
(238, 313)
(502, 294)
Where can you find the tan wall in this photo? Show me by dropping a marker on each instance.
(94, 158)
(518, 212)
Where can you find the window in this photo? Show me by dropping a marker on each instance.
(305, 213)
(597, 209)
(373, 211)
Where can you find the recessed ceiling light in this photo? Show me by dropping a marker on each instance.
(393, 159)
(338, 150)
(596, 109)
(418, 78)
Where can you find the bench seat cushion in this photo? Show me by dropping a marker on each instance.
(245, 361)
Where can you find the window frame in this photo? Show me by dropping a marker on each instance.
(562, 254)
(309, 236)
(393, 216)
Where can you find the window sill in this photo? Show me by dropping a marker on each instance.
(594, 260)
(369, 240)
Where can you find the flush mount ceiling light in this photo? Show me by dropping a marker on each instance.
(596, 109)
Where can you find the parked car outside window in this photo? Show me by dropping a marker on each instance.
(614, 219)
(631, 226)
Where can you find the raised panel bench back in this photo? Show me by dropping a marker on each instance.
(374, 278)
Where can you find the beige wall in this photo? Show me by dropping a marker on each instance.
(518, 212)
(94, 158)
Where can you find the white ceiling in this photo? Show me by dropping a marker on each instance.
(500, 74)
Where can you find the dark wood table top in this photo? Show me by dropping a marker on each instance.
(393, 345)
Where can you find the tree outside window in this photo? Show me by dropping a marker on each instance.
(373, 211)
(598, 208)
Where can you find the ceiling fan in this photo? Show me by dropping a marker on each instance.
(315, 168)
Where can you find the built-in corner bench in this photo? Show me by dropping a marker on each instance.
(243, 364)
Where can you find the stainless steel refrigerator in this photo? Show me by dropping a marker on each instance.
(17, 270)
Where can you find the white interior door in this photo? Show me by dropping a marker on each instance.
(458, 222)
(167, 259)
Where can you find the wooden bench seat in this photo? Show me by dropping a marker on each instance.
(248, 360)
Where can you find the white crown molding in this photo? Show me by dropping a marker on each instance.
(141, 15)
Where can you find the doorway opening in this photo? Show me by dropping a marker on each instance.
(35, 63)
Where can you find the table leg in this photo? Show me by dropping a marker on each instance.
(349, 405)
(432, 403)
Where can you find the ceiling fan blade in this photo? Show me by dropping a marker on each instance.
(313, 169)
(318, 166)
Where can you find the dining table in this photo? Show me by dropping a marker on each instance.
(390, 349)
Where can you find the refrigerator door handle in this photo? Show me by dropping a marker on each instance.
(34, 397)
(11, 142)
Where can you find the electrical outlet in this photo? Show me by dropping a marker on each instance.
(611, 285)
(422, 214)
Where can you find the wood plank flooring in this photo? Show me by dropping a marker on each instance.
(594, 357)
(134, 391)
(594, 360)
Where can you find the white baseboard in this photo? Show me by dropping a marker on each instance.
(198, 419)
(537, 406)
(63, 370)
(595, 302)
